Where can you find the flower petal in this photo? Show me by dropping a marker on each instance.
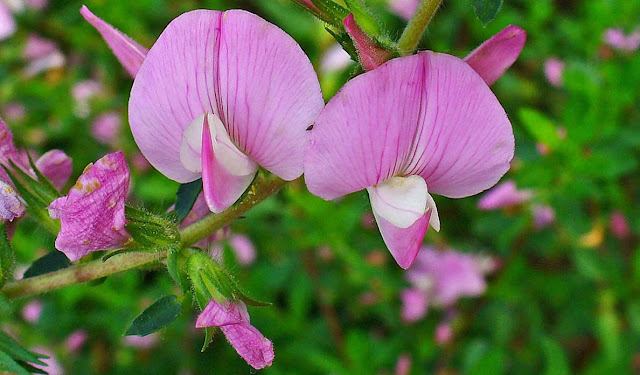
(399, 200)
(239, 67)
(233, 320)
(415, 304)
(493, 57)
(7, 22)
(504, 195)
(92, 215)
(56, 166)
(11, 205)
(403, 243)
(223, 181)
(365, 132)
(128, 51)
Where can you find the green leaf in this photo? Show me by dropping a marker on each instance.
(540, 127)
(12, 348)
(9, 365)
(7, 257)
(5, 306)
(53, 261)
(555, 357)
(160, 314)
(186, 197)
(486, 10)
(176, 263)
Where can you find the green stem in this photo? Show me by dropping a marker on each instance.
(417, 25)
(263, 187)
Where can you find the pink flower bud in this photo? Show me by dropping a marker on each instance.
(619, 225)
(106, 127)
(76, 340)
(56, 166)
(403, 366)
(371, 55)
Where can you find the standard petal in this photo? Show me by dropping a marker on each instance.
(56, 166)
(493, 57)
(220, 185)
(365, 132)
(465, 142)
(239, 67)
(403, 243)
(399, 200)
(128, 51)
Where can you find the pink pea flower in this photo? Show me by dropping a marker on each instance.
(619, 225)
(617, 39)
(233, 320)
(11, 204)
(92, 215)
(403, 366)
(52, 367)
(142, 342)
(7, 22)
(76, 340)
(553, 70)
(504, 195)
(106, 127)
(42, 55)
(243, 248)
(414, 126)
(31, 311)
(543, 216)
(404, 8)
(219, 105)
(56, 166)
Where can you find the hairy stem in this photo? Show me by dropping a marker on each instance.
(417, 25)
(263, 187)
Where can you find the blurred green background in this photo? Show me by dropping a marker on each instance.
(564, 301)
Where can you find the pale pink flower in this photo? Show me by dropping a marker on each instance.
(404, 8)
(7, 22)
(415, 304)
(14, 111)
(142, 342)
(619, 225)
(106, 127)
(56, 166)
(76, 340)
(42, 54)
(31, 311)
(403, 366)
(83, 92)
(553, 70)
(543, 216)
(504, 195)
(140, 163)
(233, 320)
(443, 333)
(243, 248)
(617, 39)
(92, 215)
(37, 4)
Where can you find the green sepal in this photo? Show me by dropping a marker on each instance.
(331, 13)
(7, 257)
(13, 349)
(177, 266)
(364, 18)
(151, 232)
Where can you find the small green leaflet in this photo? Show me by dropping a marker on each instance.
(159, 315)
(186, 197)
(486, 10)
(53, 261)
(6, 255)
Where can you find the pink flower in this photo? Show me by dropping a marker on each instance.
(31, 311)
(42, 54)
(11, 205)
(140, 163)
(553, 70)
(7, 22)
(56, 166)
(440, 278)
(36, 4)
(404, 8)
(504, 195)
(403, 366)
(106, 127)
(14, 111)
(443, 334)
(243, 248)
(617, 39)
(233, 320)
(619, 225)
(92, 215)
(52, 367)
(417, 125)
(128, 52)
(83, 92)
(141, 342)
(219, 105)
(76, 340)
(543, 216)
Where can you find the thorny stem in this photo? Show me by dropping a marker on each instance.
(263, 187)
(417, 25)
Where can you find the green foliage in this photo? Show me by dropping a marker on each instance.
(157, 316)
(7, 257)
(53, 261)
(486, 10)
(186, 197)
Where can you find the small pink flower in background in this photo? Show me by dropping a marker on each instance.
(83, 92)
(92, 215)
(142, 342)
(542, 149)
(415, 304)
(31, 311)
(233, 320)
(56, 166)
(504, 195)
(368, 221)
(36, 4)
(140, 163)
(443, 333)
(76, 340)
(334, 59)
(53, 367)
(11, 204)
(543, 216)
(388, 115)
(617, 39)
(404, 8)
(7, 22)
(619, 225)
(106, 127)
(42, 54)
(14, 111)
(403, 366)
(553, 70)
(243, 248)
